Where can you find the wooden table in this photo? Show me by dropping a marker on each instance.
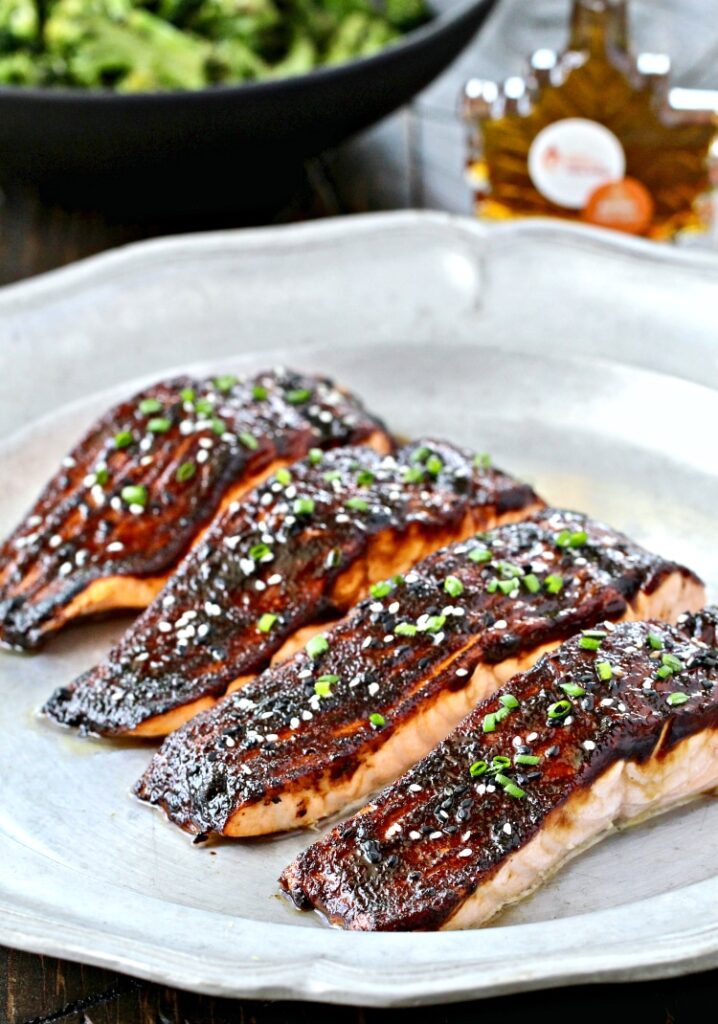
(413, 159)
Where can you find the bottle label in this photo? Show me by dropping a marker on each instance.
(570, 159)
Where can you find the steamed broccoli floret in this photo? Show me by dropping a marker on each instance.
(405, 14)
(358, 35)
(20, 69)
(232, 60)
(19, 24)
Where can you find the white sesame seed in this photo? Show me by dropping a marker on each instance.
(466, 853)
(274, 579)
(294, 723)
(462, 672)
(415, 835)
(465, 837)
(589, 745)
(203, 630)
(389, 639)
(366, 643)
(115, 503)
(247, 566)
(307, 715)
(392, 830)
(212, 609)
(500, 624)
(115, 545)
(206, 442)
(164, 627)
(55, 541)
(531, 737)
(415, 788)
(65, 568)
(507, 828)
(137, 510)
(68, 462)
(373, 689)
(229, 741)
(260, 585)
(202, 456)
(341, 517)
(393, 608)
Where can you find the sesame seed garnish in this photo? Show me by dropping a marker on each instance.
(115, 545)
(462, 672)
(507, 828)
(466, 852)
(500, 624)
(589, 745)
(415, 835)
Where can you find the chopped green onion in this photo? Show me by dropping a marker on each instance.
(185, 472)
(502, 713)
(434, 623)
(258, 551)
(377, 720)
(489, 723)
(560, 709)
(589, 643)
(508, 586)
(259, 392)
(204, 406)
(323, 685)
(500, 761)
(595, 634)
(492, 586)
(503, 780)
(508, 700)
(664, 672)
(412, 474)
(283, 477)
(654, 642)
(123, 439)
(532, 583)
(134, 494)
(434, 465)
(453, 586)
(509, 571)
(381, 589)
(248, 440)
(331, 474)
(405, 629)
(365, 478)
(317, 645)
(672, 662)
(102, 475)
(225, 383)
(303, 506)
(159, 425)
(571, 539)
(419, 455)
(677, 698)
(526, 759)
(187, 394)
(315, 455)
(479, 555)
(553, 583)
(515, 791)
(357, 504)
(478, 768)
(298, 395)
(148, 405)
(482, 460)
(218, 425)
(604, 671)
(266, 622)
(572, 689)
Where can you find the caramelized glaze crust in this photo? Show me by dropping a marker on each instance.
(182, 445)
(308, 726)
(299, 549)
(438, 836)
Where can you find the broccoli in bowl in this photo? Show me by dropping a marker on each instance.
(134, 46)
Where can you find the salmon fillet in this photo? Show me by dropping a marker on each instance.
(616, 725)
(136, 492)
(309, 737)
(301, 548)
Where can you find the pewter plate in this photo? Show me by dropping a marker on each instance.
(588, 365)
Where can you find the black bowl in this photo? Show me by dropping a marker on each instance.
(195, 151)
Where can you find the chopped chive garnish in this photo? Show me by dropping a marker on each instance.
(453, 586)
(225, 383)
(492, 586)
(331, 474)
(489, 723)
(508, 586)
(260, 550)
(604, 671)
(377, 720)
(500, 761)
(315, 455)
(676, 698)
(266, 622)
(478, 768)
(123, 439)
(434, 465)
(134, 494)
(515, 791)
(365, 478)
(283, 477)
(219, 427)
(573, 689)
(102, 475)
(185, 472)
(405, 629)
(526, 759)
(479, 555)
(247, 439)
(159, 425)
(532, 583)
(357, 504)
(323, 685)
(664, 672)
(434, 623)
(259, 392)
(503, 780)
(589, 643)
(303, 506)
(560, 709)
(502, 713)
(187, 394)
(419, 455)
(148, 405)
(509, 571)
(482, 460)
(508, 700)
(654, 642)
(298, 395)
(553, 583)
(412, 474)
(317, 645)
(204, 406)
(381, 589)
(571, 539)
(672, 662)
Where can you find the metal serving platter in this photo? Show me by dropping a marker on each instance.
(585, 363)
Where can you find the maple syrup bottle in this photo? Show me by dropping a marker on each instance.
(590, 134)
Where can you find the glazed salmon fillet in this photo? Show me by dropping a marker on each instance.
(374, 694)
(302, 548)
(617, 725)
(147, 478)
